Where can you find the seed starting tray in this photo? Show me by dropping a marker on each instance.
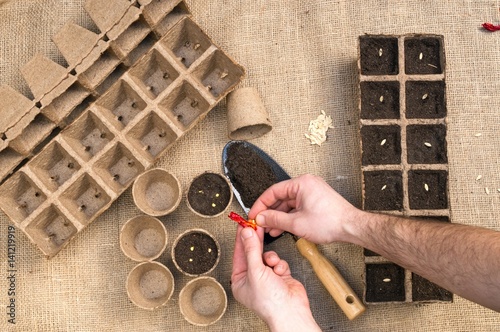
(403, 147)
(95, 61)
(179, 75)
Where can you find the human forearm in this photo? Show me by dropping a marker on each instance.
(460, 258)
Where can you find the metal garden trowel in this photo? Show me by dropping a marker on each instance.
(328, 274)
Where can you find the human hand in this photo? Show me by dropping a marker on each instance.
(307, 207)
(263, 283)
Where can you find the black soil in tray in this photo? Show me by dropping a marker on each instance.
(248, 172)
(196, 253)
(427, 189)
(426, 144)
(209, 194)
(425, 99)
(380, 100)
(383, 190)
(381, 145)
(423, 55)
(378, 55)
(385, 283)
(424, 290)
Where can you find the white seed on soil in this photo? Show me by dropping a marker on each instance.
(431, 65)
(386, 280)
(209, 249)
(383, 187)
(424, 96)
(190, 259)
(427, 144)
(478, 177)
(380, 52)
(223, 75)
(383, 141)
(487, 191)
(421, 56)
(214, 205)
(426, 187)
(196, 46)
(192, 248)
(381, 99)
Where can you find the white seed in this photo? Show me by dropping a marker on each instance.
(381, 99)
(190, 259)
(427, 144)
(192, 248)
(386, 280)
(487, 191)
(383, 187)
(431, 65)
(214, 205)
(383, 141)
(209, 249)
(478, 134)
(424, 96)
(478, 177)
(421, 56)
(380, 52)
(426, 187)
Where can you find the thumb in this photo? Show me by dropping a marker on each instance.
(275, 219)
(253, 248)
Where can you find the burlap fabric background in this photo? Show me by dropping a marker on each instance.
(301, 55)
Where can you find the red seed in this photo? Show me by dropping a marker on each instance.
(491, 27)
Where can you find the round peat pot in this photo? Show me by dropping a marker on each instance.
(247, 117)
(203, 301)
(143, 238)
(209, 195)
(157, 192)
(150, 285)
(195, 252)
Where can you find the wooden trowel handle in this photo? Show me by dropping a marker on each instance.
(331, 279)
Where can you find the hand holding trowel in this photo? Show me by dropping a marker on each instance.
(324, 269)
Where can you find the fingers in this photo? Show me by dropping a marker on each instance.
(279, 266)
(239, 259)
(279, 220)
(253, 248)
(278, 196)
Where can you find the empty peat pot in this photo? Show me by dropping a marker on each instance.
(150, 285)
(143, 238)
(247, 116)
(209, 194)
(203, 301)
(195, 252)
(157, 192)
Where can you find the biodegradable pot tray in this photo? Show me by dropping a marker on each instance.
(403, 147)
(89, 164)
(143, 238)
(247, 117)
(196, 252)
(209, 195)
(203, 301)
(157, 192)
(150, 285)
(128, 29)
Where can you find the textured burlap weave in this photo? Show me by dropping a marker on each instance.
(301, 55)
